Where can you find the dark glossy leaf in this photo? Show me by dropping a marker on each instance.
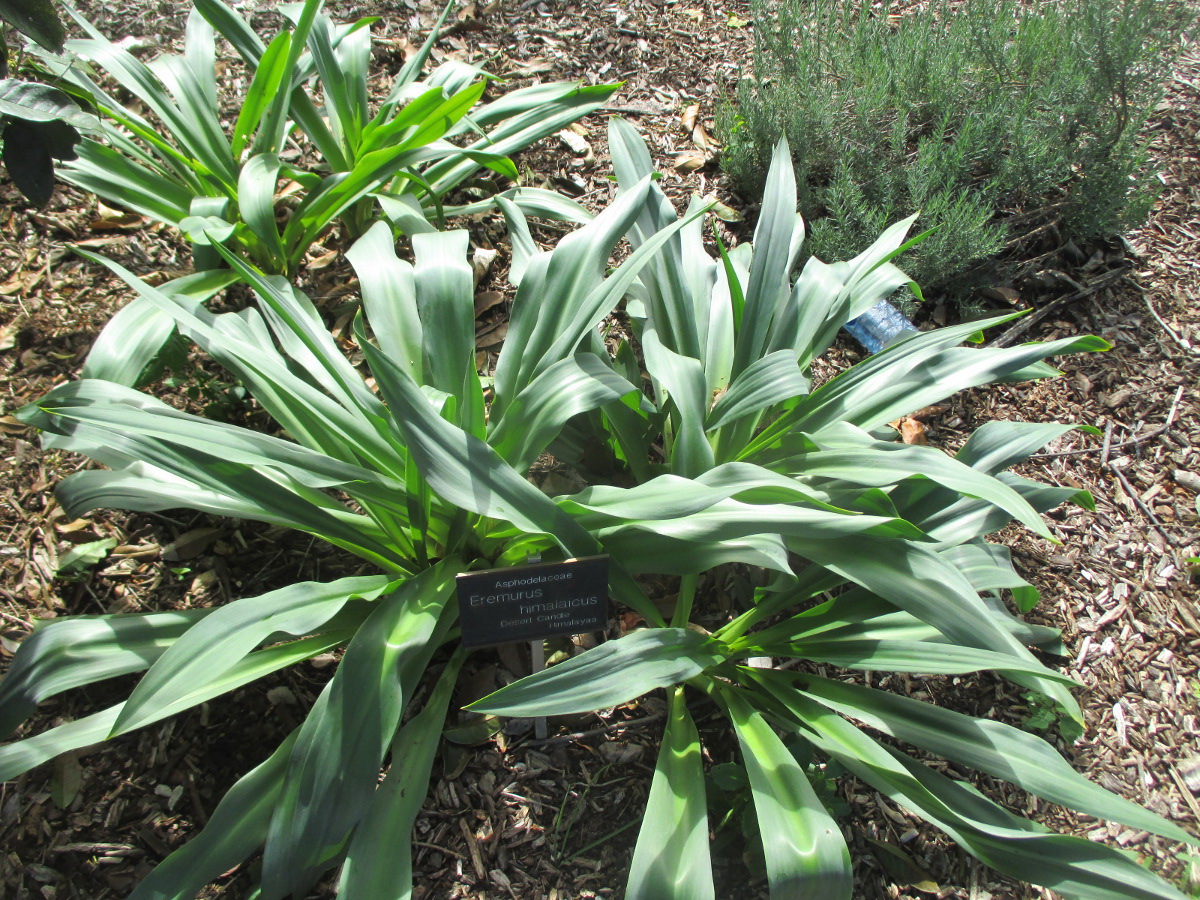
(37, 19)
(28, 160)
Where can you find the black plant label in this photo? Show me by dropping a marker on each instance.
(528, 603)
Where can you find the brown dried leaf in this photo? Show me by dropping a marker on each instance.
(911, 430)
(190, 544)
(491, 335)
(486, 300)
(688, 119)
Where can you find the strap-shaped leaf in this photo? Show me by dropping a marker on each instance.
(873, 463)
(859, 615)
(571, 103)
(557, 312)
(444, 288)
(66, 653)
(984, 744)
(346, 430)
(464, 470)
(926, 658)
(895, 391)
(375, 867)
(390, 299)
(21, 756)
(987, 566)
(644, 551)
(132, 338)
(206, 653)
(572, 386)
(765, 382)
(918, 581)
(778, 223)
(236, 829)
(682, 379)
(333, 768)
(256, 202)
(609, 675)
(671, 858)
(669, 497)
(104, 171)
(805, 852)
(1074, 867)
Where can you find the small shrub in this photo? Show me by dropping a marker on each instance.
(962, 111)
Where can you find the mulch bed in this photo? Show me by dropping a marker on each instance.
(556, 818)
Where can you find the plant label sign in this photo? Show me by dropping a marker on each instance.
(528, 603)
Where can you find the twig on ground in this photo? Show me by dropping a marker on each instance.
(1165, 327)
(1009, 337)
(1141, 504)
(594, 732)
(1129, 442)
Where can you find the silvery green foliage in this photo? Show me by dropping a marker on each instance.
(178, 164)
(733, 458)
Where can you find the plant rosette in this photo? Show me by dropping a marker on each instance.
(875, 551)
(171, 157)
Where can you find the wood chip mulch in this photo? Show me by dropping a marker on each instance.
(519, 817)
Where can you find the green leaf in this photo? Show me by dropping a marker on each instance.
(132, 339)
(464, 470)
(671, 858)
(37, 19)
(334, 766)
(375, 868)
(805, 852)
(888, 655)
(27, 157)
(1077, 868)
(218, 643)
(267, 82)
(41, 103)
(66, 653)
(606, 676)
(984, 744)
(82, 557)
(779, 227)
(235, 830)
(765, 382)
(20, 756)
(534, 419)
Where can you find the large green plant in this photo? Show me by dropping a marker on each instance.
(169, 155)
(425, 480)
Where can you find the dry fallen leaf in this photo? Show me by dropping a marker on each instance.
(481, 263)
(486, 300)
(577, 144)
(109, 219)
(324, 261)
(688, 119)
(491, 335)
(689, 162)
(911, 430)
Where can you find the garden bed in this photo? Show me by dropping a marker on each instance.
(556, 818)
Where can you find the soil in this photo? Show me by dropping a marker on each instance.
(555, 818)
